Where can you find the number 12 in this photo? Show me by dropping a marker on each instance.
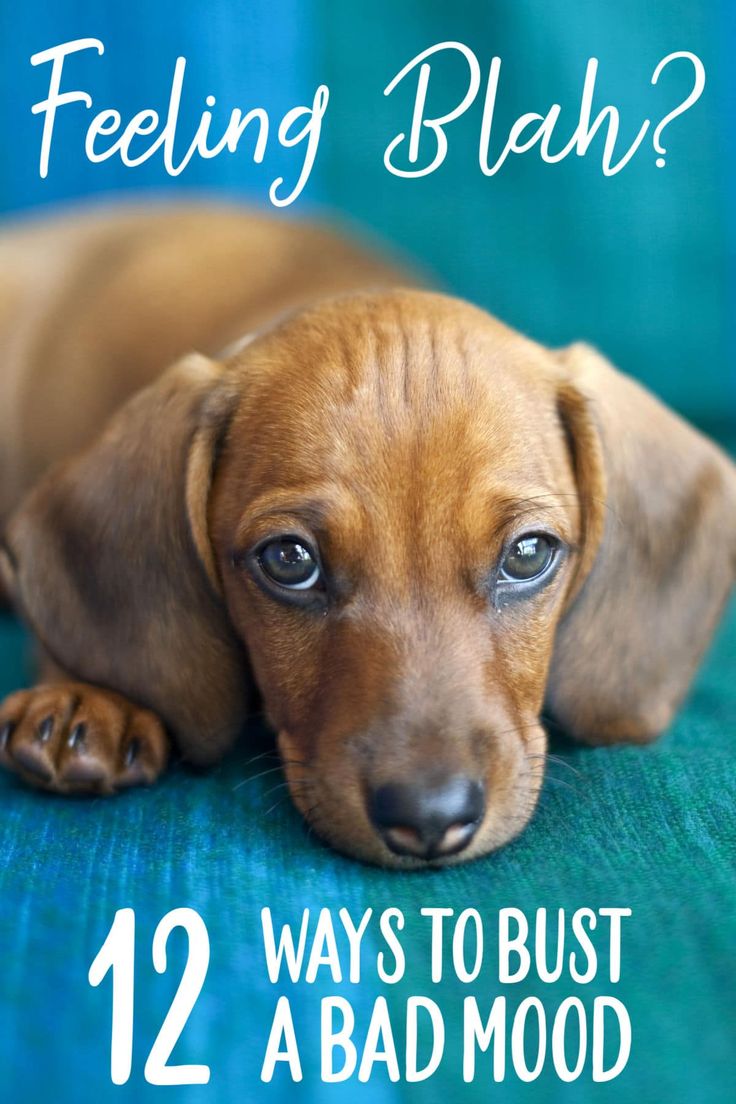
(117, 953)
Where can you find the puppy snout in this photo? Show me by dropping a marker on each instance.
(428, 820)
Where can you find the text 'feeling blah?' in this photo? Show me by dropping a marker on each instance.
(590, 128)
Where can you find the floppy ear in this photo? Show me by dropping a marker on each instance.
(658, 558)
(110, 562)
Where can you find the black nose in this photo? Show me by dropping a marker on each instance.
(427, 821)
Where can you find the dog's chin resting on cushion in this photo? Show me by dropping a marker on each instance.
(408, 529)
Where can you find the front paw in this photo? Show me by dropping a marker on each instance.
(72, 738)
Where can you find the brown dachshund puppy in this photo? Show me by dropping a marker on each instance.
(411, 527)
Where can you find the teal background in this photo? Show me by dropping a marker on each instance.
(641, 264)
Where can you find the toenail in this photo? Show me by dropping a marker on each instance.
(44, 730)
(77, 735)
(132, 752)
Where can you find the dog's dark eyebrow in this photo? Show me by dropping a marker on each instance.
(314, 502)
(512, 510)
(311, 511)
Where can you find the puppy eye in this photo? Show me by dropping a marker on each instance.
(528, 558)
(290, 563)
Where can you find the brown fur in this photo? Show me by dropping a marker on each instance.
(408, 436)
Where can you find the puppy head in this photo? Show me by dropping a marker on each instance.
(396, 525)
(419, 526)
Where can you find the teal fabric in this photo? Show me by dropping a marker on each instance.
(641, 265)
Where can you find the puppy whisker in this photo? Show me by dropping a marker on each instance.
(275, 806)
(269, 753)
(566, 785)
(255, 777)
(297, 783)
(547, 758)
(559, 761)
(305, 784)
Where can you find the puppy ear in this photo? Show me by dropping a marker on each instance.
(658, 556)
(110, 562)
